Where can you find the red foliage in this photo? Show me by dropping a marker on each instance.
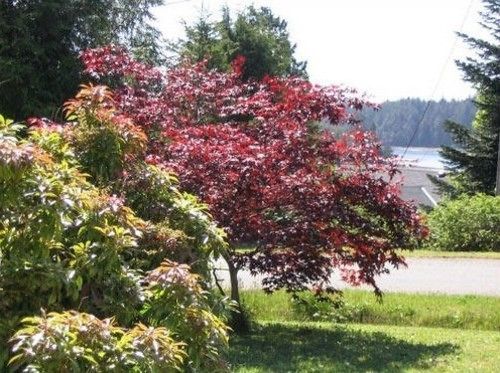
(260, 155)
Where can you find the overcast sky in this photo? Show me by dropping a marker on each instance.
(387, 48)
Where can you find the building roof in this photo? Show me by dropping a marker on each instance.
(417, 187)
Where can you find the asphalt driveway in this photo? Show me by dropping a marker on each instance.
(423, 275)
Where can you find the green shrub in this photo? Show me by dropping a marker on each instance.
(466, 224)
(307, 306)
(153, 193)
(79, 342)
(70, 240)
(170, 285)
(110, 148)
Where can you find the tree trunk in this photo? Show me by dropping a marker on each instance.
(233, 277)
(239, 319)
(497, 186)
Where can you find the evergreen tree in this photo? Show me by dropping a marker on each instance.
(204, 41)
(40, 42)
(473, 162)
(256, 34)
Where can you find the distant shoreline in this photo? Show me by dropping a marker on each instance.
(414, 147)
(419, 157)
(421, 168)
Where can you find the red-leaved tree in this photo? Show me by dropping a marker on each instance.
(265, 157)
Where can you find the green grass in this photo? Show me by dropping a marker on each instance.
(450, 254)
(421, 253)
(327, 347)
(404, 333)
(447, 311)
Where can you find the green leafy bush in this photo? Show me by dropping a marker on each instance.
(171, 284)
(103, 142)
(308, 306)
(153, 194)
(466, 224)
(111, 150)
(336, 308)
(70, 240)
(79, 342)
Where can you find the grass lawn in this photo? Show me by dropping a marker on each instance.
(328, 347)
(447, 311)
(450, 254)
(420, 253)
(404, 333)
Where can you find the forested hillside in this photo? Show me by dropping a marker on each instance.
(396, 121)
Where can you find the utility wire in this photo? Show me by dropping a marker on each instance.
(176, 2)
(440, 77)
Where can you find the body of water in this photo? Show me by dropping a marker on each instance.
(420, 157)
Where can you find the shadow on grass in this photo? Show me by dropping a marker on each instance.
(294, 348)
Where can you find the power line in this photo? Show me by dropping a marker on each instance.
(440, 77)
(176, 2)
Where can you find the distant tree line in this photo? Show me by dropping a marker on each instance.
(396, 121)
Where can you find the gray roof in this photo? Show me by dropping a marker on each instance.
(417, 187)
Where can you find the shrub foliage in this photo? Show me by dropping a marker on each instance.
(468, 223)
(70, 240)
(78, 342)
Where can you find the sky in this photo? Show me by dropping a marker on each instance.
(388, 49)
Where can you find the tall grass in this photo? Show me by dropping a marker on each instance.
(446, 311)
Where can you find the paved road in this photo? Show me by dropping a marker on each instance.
(436, 275)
